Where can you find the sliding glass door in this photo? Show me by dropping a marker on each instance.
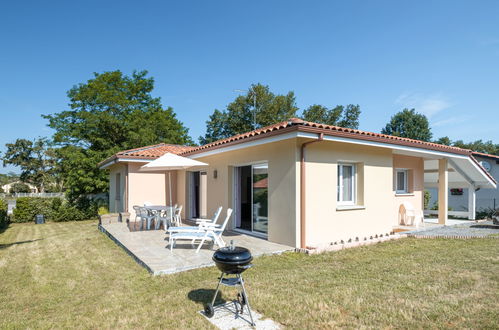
(260, 193)
(251, 198)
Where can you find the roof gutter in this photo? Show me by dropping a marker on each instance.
(303, 243)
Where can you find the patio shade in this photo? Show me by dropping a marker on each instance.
(171, 162)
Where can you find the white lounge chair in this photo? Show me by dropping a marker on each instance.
(201, 223)
(408, 215)
(213, 220)
(210, 233)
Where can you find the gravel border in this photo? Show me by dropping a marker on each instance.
(462, 231)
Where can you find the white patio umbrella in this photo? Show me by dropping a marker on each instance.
(170, 162)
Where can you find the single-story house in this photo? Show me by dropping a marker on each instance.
(6, 187)
(460, 193)
(299, 183)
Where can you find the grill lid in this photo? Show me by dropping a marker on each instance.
(232, 255)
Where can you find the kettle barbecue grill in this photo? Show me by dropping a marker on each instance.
(232, 260)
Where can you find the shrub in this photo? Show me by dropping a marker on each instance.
(54, 209)
(485, 213)
(4, 220)
(81, 209)
(28, 207)
(427, 197)
(69, 213)
(103, 210)
(19, 187)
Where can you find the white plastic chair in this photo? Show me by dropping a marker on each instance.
(164, 217)
(136, 209)
(210, 233)
(177, 216)
(408, 215)
(145, 215)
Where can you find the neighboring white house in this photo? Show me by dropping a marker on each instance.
(6, 187)
(459, 198)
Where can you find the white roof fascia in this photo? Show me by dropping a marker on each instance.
(124, 160)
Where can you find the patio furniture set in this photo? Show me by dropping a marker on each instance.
(205, 230)
(159, 214)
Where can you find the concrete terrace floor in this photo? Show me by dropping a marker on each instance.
(150, 248)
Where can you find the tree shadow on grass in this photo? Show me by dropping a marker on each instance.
(4, 246)
(205, 296)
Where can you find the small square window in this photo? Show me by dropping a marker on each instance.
(401, 183)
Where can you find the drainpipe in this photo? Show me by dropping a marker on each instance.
(303, 181)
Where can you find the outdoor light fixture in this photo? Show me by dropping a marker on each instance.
(215, 174)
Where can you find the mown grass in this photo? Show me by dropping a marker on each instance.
(70, 275)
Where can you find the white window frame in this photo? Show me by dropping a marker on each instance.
(339, 195)
(406, 181)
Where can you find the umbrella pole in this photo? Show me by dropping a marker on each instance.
(170, 195)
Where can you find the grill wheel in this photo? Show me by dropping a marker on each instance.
(209, 311)
(241, 299)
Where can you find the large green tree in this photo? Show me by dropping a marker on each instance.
(8, 178)
(238, 117)
(344, 116)
(410, 124)
(108, 113)
(487, 147)
(36, 159)
(19, 187)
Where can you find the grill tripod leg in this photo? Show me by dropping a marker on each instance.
(216, 291)
(209, 310)
(245, 297)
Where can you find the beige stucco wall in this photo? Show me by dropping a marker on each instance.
(325, 223)
(283, 203)
(415, 165)
(117, 205)
(149, 187)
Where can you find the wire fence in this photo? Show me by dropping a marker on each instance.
(42, 195)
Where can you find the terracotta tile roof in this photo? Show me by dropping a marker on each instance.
(154, 151)
(263, 183)
(476, 153)
(148, 152)
(301, 125)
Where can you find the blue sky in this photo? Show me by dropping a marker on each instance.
(441, 57)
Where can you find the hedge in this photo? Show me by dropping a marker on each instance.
(54, 209)
(3, 214)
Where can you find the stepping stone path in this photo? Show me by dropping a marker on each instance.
(226, 318)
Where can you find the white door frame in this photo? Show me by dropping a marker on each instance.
(236, 202)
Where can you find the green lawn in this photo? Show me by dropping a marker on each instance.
(70, 275)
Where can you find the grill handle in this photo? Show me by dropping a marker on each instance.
(246, 266)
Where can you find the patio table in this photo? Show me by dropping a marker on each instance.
(157, 207)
